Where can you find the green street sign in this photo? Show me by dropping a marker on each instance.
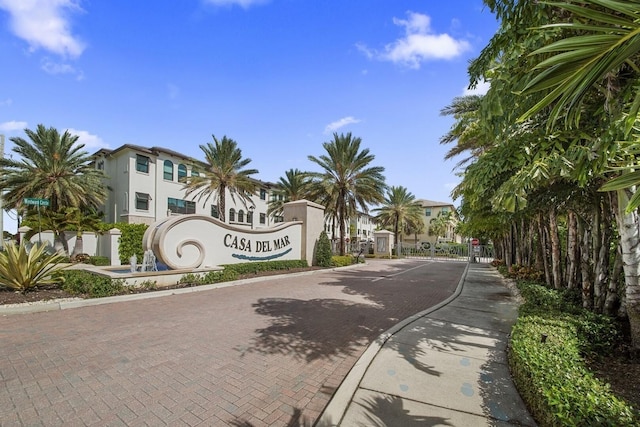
(36, 201)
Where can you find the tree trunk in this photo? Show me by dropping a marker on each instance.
(78, 247)
(612, 301)
(586, 265)
(222, 203)
(573, 251)
(556, 259)
(601, 253)
(630, 243)
(542, 230)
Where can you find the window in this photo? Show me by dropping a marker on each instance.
(444, 211)
(195, 172)
(182, 172)
(263, 218)
(168, 170)
(100, 165)
(142, 201)
(142, 163)
(232, 214)
(427, 212)
(263, 194)
(181, 206)
(240, 215)
(214, 211)
(250, 217)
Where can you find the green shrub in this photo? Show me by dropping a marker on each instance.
(323, 251)
(342, 260)
(80, 282)
(99, 260)
(22, 269)
(255, 267)
(130, 240)
(548, 344)
(191, 279)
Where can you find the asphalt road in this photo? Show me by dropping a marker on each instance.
(268, 353)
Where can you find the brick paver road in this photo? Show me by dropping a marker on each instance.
(269, 353)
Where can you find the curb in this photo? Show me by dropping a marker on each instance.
(340, 401)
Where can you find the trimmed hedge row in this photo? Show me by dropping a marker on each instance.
(547, 346)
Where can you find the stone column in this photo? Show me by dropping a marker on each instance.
(383, 241)
(312, 217)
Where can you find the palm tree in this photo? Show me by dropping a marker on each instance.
(347, 179)
(54, 167)
(400, 211)
(293, 186)
(225, 170)
(438, 226)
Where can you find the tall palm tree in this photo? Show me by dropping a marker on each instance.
(293, 186)
(225, 171)
(347, 179)
(54, 167)
(400, 210)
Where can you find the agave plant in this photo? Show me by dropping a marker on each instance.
(22, 269)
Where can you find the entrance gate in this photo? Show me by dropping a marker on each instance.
(449, 252)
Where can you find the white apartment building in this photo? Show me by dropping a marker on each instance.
(144, 186)
(359, 228)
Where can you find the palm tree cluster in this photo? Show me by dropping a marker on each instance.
(53, 167)
(552, 156)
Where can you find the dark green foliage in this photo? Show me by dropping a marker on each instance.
(99, 260)
(255, 267)
(130, 240)
(79, 282)
(225, 275)
(323, 251)
(548, 344)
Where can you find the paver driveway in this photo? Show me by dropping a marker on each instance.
(269, 353)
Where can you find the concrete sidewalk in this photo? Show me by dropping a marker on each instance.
(444, 366)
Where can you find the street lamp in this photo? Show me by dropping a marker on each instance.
(251, 208)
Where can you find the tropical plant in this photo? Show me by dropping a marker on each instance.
(438, 226)
(347, 179)
(225, 171)
(400, 211)
(22, 268)
(291, 187)
(53, 167)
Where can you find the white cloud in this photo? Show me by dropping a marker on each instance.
(60, 68)
(418, 45)
(12, 126)
(44, 24)
(245, 4)
(334, 126)
(6, 102)
(91, 142)
(481, 89)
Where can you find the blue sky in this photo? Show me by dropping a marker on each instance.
(277, 76)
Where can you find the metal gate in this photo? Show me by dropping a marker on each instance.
(448, 252)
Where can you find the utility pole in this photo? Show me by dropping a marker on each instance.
(1, 210)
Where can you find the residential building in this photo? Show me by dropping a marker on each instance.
(431, 210)
(145, 185)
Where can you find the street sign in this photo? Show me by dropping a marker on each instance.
(36, 201)
(475, 242)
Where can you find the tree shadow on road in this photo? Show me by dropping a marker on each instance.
(324, 328)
